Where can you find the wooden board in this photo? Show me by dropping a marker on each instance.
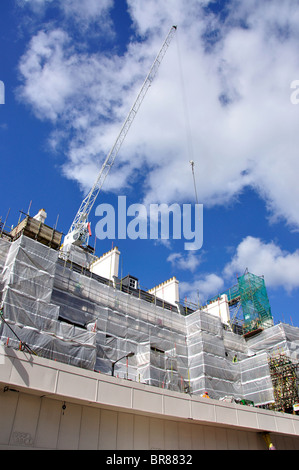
(34, 229)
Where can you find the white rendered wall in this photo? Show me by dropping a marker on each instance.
(219, 308)
(167, 291)
(29, 421)
(49, 405)
(107, 265)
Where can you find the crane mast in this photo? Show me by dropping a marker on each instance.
(78, 233)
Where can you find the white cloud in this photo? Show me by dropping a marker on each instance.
(157, 15)
(280, 268)
(84, 11)
(199, 290)
(36, 5)
(47, 74)
(88, 9)
(236, 107)
(253, 140)
(188, 261)
(87, 97)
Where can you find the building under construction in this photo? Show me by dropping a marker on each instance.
(75, 309)
(89, 360)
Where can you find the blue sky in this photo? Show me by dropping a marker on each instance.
(72, 70)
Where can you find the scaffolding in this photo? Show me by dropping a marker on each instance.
(255, 302)
(62, 311)
(248, 300)
(284, 379)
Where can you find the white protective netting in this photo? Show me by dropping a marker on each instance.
(65, 313)
(27, 280)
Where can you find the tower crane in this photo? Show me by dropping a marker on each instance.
(79, 231)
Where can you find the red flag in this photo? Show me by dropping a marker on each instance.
(89, 231)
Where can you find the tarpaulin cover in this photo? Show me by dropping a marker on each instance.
(64, 313)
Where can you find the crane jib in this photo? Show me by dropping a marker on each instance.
(79, 230)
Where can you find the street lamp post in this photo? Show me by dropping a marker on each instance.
(130, 354)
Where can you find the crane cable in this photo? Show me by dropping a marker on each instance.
(186, 116)
(192, 166)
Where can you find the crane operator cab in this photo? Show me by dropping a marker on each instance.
(79, 237)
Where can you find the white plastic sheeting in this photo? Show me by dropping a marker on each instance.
(27, 280)
(70, 316)
(281, 338)
(256, 379)
(123, 323)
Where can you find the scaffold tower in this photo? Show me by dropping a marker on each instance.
(255, 303)
(248, 300)
(284, 379)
